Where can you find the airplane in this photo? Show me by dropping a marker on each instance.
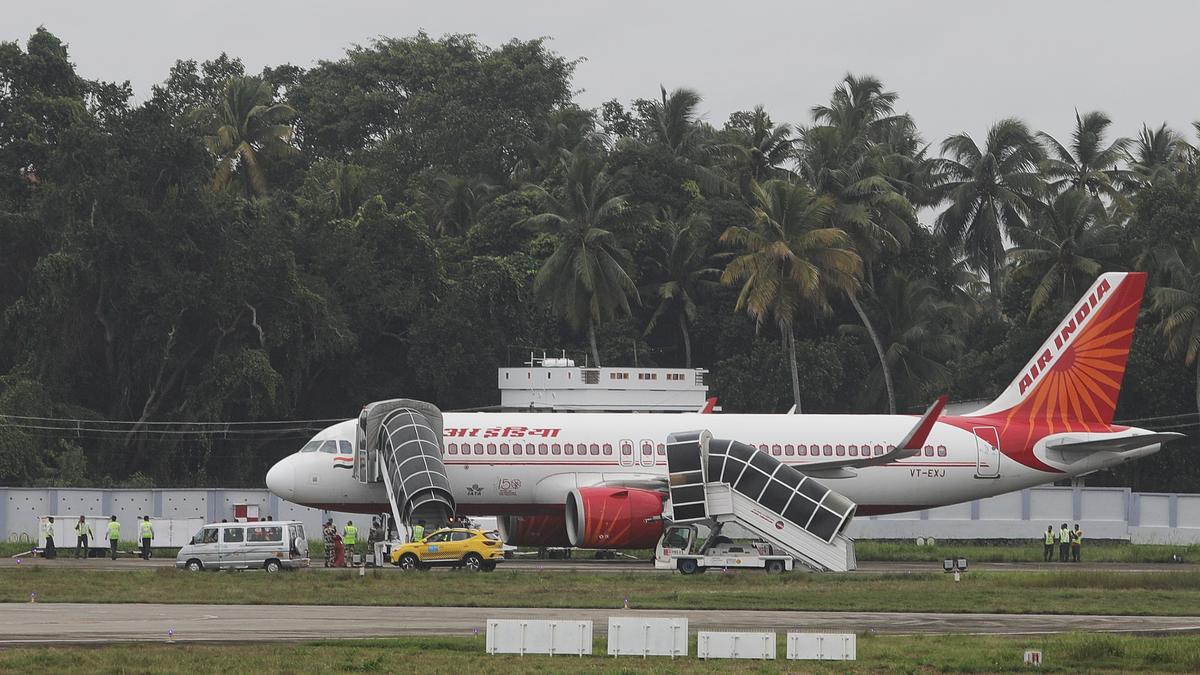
(551, 476)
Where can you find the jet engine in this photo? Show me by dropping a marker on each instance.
(533, 530)
(604, 517)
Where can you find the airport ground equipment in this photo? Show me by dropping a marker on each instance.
(681, 549)
(530, 636)
(399, 443)
(721, 482)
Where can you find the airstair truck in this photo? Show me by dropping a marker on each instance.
(780, 515)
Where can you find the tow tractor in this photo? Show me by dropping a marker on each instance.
(681, 548)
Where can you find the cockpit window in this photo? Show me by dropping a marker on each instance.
(346, 448)
(311, 446)
(329, 447)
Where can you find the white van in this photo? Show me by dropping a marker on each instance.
(266, 544)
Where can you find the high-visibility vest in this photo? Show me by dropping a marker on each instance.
(147, 530)
(1077, 536)
(418, 532)
(83, 529)
(114, 529)
(1049, 538)
(351, 536)
(1064, 536)
(49, 530)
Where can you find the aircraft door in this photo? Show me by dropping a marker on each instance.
(987, 452)
(626, 457)
(646, 452)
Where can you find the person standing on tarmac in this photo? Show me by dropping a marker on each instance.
(50, 551)
(1064, 543)
(1048, 540)
(350, 539)
(329, 532)
(114, 535)
(1076, 542)
(418, 531)
(82, 532)
(147, 533)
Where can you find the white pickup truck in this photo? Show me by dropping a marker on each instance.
(677, 549)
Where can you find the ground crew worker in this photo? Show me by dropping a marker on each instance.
(82, 532)
(350, 539)
(1064, 543)
(147, 532)
(1048, 540)
(329, 532)
(50, 551)
(114, 535)
(1076, 542)
(419, 531)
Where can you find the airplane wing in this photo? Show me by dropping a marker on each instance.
(1119, 444)
(910, 445)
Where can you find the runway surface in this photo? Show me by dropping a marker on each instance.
(92, 623)
(642, 566)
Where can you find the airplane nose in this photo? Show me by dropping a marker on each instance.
(281, 479)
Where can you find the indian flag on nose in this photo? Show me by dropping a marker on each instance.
(343, 462)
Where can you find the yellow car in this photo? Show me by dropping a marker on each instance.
(473, 549)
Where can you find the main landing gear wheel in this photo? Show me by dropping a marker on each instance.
(473, 562)
(409, 562)
(775, 567)
(688, 566)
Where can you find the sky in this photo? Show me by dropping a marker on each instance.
(958, 66)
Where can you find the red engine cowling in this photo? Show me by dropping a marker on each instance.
(533, 530)
(602, 517)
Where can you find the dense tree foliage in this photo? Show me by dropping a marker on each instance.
(290, 244)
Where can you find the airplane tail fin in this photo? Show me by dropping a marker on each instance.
(1073, 380)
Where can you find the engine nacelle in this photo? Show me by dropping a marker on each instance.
(533, 530)
(603, 517)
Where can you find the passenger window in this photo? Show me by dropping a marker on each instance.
(517, 449)
(854, 451)
(452, 449)
(776, 449)
(479, 448)
(273, 533)
(207, 536)
(802, 449)
(234, 535)
(568, 448)
(504, 448)
(647, 448)
(626, 448)
(608, 448)
(529, 448)
(662, 448)
(491, 448)
(789, 449)
(827, 450)
(594, 448)
(878, 449)
(941, 451)
(762, 447)
(543, 449)
(840, 450)
(929, 451)
(555, 449)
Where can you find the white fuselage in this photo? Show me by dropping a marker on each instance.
(526, 463)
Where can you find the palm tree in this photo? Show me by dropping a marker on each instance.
(450, 204)
(1087, 164)
(682, 274)
(755, 148)
(674, 122)
(563, 131)
(1154, 154)
(790, 259)
(917, 328)
(585, 279)
(991, 192)
(1065, 248)
(247, 125)
(1179, 306)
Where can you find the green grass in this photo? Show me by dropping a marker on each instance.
(876, 653)
(1062, 592)
(1019, 551)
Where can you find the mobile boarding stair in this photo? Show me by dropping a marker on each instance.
(721, 482)
(399, 444)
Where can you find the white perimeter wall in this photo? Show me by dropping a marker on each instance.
(1103, 513)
